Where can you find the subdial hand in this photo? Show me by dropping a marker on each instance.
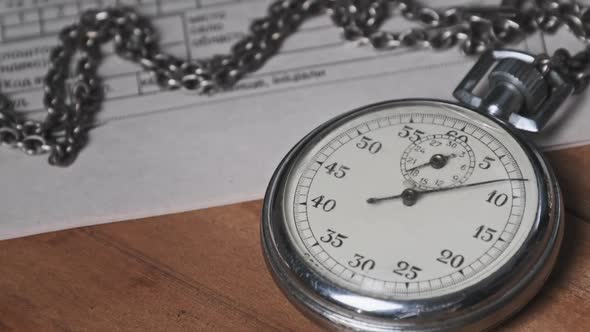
(436, 161)
(410, 196)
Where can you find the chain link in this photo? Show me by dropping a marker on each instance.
(71, 108)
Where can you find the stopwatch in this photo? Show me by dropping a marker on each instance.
(422, 214)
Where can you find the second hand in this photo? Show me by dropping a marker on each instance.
(410, 196)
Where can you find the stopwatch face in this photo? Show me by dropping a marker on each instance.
(408, 201)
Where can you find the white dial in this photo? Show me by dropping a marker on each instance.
(363, 218)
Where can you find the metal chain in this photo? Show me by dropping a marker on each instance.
(71, 108)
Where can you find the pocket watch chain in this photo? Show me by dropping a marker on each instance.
(71, 102)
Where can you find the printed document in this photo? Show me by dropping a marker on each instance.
(156, 152)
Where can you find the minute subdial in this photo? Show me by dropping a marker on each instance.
(437, 161)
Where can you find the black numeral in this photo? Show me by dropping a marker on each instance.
(338, 171)
(406, 270)
(327, 205)
(367, 143)
(455, 134)
(497, 199)
(333, 238)
(420, 149)
(410, 161)
(435, 143)
(412, 134)
(486, 162)
(447, 257)
(485, 234)
(359, 261)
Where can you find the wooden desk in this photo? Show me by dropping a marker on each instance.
(204, 270)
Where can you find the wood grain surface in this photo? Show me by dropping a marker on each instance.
(204, 270)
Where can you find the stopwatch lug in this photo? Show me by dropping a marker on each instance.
(518, 91)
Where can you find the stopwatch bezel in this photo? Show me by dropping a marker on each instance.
(476, 307)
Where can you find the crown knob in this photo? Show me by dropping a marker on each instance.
(518, 93)
(518, 77)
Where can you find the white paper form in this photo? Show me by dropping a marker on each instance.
(157, 152)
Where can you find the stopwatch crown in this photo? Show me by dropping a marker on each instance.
(519, 92)
(525, 78)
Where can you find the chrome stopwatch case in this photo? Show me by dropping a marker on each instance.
(416, 214)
